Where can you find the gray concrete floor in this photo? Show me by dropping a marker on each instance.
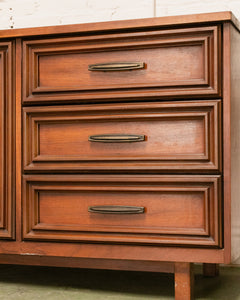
(25, 282)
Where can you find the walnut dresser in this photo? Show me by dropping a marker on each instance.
(120, 145)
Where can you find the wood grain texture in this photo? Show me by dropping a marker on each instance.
(178, 210)
(178, 136)
(113, 251)
(70, 262)
(7, 141)
(18, 139)
(184, 281)
(180, 173)
(227, 140)
(178, 63)
(231, 143)
(235, 145)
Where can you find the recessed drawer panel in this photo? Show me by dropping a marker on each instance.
(162, 136)
(123, 209)
(173, 63)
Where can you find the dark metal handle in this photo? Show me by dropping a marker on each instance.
(116, 209)
(116, 66)
(117, 138)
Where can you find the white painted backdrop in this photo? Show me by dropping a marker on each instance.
(32, 13)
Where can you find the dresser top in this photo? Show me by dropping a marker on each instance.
(147, 23)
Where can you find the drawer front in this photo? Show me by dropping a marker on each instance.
(173, 63)
(161, 136)
(123, 209)
(7, 136)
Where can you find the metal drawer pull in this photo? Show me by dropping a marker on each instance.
(116, 209)
(116, 66)
(116, 138)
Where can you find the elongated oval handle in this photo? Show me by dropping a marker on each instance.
(116, 66)
(117, 138)
(116, 209)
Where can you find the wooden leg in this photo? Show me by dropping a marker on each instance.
(210, 270)
(184, 281)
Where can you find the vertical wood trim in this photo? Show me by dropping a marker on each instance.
(7, 120)
(18, 137)
(11, 145)
(184, 281)
(227, 140)
(235, 145)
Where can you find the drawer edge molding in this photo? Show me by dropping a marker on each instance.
(181, 136)
(160, 224)
(42, 59)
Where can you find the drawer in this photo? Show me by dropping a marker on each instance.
(174, 63)
(170, 136)
(184, 210)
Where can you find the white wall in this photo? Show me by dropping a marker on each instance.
(31, 13)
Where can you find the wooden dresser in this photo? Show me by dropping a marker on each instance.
(120, 145)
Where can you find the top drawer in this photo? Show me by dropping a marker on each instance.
(152, 64)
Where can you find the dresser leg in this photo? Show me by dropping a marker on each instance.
(210, 270)
(184, 281)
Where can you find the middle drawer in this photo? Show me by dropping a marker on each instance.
(177, 136)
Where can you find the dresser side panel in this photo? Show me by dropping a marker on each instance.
(235, 144)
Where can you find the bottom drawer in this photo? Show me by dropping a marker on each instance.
(178, 210)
